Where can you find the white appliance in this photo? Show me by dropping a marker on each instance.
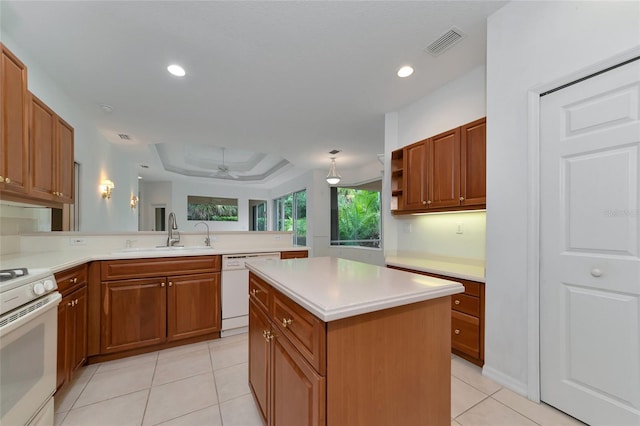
(235, 291)
(28, 346)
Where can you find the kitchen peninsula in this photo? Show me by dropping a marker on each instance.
(335, 342)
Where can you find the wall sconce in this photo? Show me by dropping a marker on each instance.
(106, 188)
(333, 177)
(134, 202)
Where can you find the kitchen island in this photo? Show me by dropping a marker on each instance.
(337, 342)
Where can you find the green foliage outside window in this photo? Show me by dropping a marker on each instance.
(358, 218)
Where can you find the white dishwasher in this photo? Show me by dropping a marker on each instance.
(235, 291)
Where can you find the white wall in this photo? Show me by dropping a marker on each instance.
(92, 151)
(457, 103)
(529, 44)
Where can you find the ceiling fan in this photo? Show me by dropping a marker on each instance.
(223, 170)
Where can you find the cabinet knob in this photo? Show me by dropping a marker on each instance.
(595, 272)
(254, 291)
(76, 301)
(170, 284)
(424, 202)
(461, 198)
(7, 180)
(69, 304)
(267, 335)
(161, 284)
(456, 331)
(286, 322)
(457, 302)
(429, 202)
(1, 179)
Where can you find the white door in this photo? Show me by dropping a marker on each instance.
(589, 239)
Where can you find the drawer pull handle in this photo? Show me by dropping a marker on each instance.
(456, 331)
(286, 322)
(254, 291)
(267, 335)
(457, 302)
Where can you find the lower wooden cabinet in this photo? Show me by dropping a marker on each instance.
(149, 311)
(72, 324)
(296, 254)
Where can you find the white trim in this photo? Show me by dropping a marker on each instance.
(532, 388)
(505, 380)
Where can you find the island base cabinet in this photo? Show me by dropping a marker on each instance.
(259, 356)
(391, 367)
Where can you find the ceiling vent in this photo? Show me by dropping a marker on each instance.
(334, 151)
(124, 136)
(445, 41)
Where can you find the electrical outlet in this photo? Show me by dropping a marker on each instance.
(460, 228)
(277, 237)
(77, 241)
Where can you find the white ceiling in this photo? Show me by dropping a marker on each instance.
(292, 80)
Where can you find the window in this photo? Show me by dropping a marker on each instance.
(355, 215)
(291, 215)
(212, 208)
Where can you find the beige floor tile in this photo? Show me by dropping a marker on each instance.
(240, 412)
(181, 397)
(492, 413)
(58, 418)
(472, 374)
(243, 337)
(68, 395)
(118, 382)
(209, 416)
(131, 361)
(182, 350)
(463, 397)
(182, 365)
(454, 423)
(226, 355)
(232, 382)
(121, 411)
(539, 413)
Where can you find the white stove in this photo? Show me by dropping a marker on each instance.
(28, 346)
(21, 285)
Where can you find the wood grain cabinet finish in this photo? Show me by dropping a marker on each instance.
(72, 323)
(296, 254)
(14, 124)
(37, 163)
(446, 172)
(143, 307)
(353, 371)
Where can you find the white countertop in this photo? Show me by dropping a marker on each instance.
(60, 260)
(333, 288)
(466, 269)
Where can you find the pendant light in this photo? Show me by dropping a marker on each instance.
(333, 177)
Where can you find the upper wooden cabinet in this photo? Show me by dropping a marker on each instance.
(36, 163)
(51, 166)
(14, 126)
(445, 172)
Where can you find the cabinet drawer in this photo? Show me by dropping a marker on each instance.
(259, 292)
(467, 304)
(465, 333)
(294, 254)
(158, 267)
(305, 331)
(70, 278)
(471, 288)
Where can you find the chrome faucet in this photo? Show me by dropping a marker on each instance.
(207, 241)
(173, 236)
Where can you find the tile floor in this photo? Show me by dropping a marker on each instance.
(206, 384)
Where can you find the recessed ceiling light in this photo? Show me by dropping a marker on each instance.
(405, 71)
(176, 70)
(139, 177)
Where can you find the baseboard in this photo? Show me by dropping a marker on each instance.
(505, 380)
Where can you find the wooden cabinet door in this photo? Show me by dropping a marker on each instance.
(444, 169)
(415, 177)
(298, 391)
(193, 305)
(133, 314)
(259, 358)
(43, 122)
(64, 166)
(473, 163)
(78, 338)
(14, 123)
(63, 351)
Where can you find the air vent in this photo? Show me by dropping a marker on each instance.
(445, 41)
(124, 137)
(144, 166)
(334, 151)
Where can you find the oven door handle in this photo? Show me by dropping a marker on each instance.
(20, 316)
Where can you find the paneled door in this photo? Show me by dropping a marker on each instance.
(589, 260)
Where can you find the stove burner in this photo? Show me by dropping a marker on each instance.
(9, 274)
